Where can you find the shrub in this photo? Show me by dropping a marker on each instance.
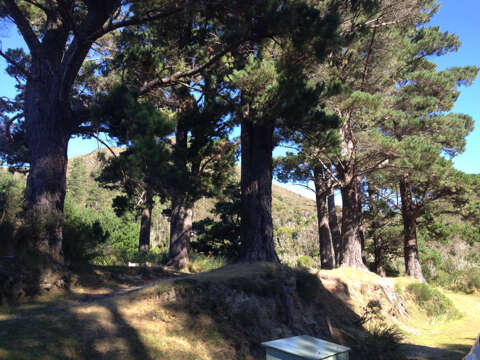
(305, 262)
(432, 301)
(473, 279)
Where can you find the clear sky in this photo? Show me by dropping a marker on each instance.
(457, 16)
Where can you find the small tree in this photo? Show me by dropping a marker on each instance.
(140, 127)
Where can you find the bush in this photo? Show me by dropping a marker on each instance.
(432, 301)
(473, 278)
(305, 262)
(82, 234)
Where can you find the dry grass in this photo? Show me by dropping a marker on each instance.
(145, 324)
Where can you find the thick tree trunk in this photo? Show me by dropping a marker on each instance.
(145, 224)
(49, 119)
(351, 224)
(327, 258)
(256, 228)
(181, 220)
(334, 228)
(409, 215)
(48, 132)
(182, 211)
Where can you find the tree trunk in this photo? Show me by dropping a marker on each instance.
(334, 228)
(181, 220)
(351, 224)
(327, 259)
(409, 215)
(379, 249)
(145, 224)
(48, 132)
(182, 212)
(49, 119)
(380, 260)
(256, 227)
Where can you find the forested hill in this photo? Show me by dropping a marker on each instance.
(294, 216)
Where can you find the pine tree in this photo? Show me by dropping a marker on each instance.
(424, 131)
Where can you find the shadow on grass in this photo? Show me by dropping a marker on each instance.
(460, 348)
(449, 352)
(98, 332)
(111, 280)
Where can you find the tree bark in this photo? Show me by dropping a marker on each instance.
(327, 259)
(409, 215)
(145, 224)
(334, 228)
(48, 131)
(351, 224)
(181, 220)
(256, 227)
(182, 211)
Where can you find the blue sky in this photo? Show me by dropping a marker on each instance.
(457, 16)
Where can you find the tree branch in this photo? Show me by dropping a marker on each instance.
(23, 26)
(168, 80)
(15, 64)
(37, 5)
(150, 16)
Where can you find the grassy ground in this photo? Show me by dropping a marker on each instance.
(99, 319)
(94, 323)
(454, 336)
(457, 335)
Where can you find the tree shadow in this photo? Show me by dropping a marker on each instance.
(460, 348)
(94, 332)
(450, 352)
